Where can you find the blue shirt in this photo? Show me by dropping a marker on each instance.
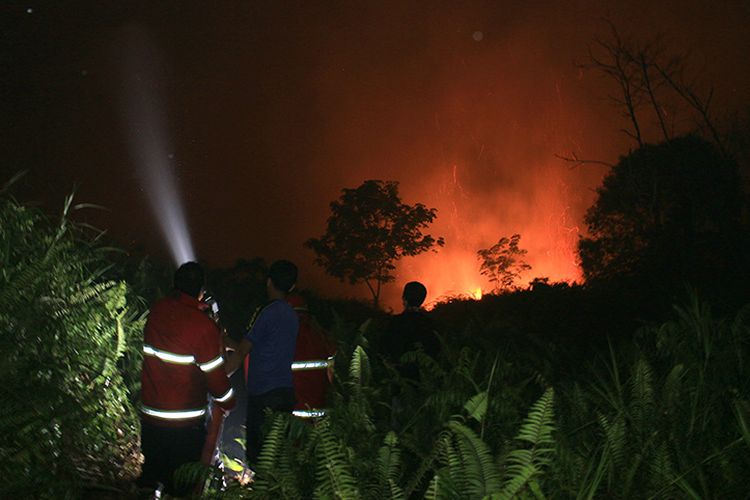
(274, 336)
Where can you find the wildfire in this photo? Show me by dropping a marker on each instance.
(540, 210)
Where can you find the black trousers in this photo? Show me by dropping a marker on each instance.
(281, 399)
(167, 448)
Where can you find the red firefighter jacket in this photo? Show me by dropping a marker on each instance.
(312, 359)
(182, 363)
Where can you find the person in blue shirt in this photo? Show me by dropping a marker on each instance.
(271, 343)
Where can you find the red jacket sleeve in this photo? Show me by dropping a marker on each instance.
(209, 358)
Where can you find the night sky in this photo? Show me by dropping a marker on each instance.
(270, 108)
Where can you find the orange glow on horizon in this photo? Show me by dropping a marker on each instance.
(541, 213)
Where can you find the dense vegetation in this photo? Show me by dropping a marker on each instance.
(660, 414)
(546, 392)
(557, 391)
(70, 340)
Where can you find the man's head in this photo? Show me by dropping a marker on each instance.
(282, 276)
(189, 278)
(414, 294)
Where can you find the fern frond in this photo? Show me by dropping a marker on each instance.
(661, 469)
(642, 404)
(269, 455)
(334, 476)
(359, 367)
(478, 466)
(476, 407)
(389, 463)
(615, 438)
(523, 465)
(671, 391)
(432, 489)
(396, 493)
(425, 466)
(190, 474)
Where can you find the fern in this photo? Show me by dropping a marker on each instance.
(478, 467)
(389, 466)
(432, 489)
(615, 439)
(189, 475)
(642, 405)
(476, 407)
(334, 477)
(426, 464)
(661, 469)
(359, 367)
(268, 460)
(524, 465)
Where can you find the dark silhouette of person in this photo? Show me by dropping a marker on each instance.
(410, 331)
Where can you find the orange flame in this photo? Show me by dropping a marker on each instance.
(541, 214)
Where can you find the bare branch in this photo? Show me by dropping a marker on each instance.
(645, 68)
(573, 158)
(696, 103)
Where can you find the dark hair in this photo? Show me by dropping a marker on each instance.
(189, 278)
(283, 275)
(414, 293)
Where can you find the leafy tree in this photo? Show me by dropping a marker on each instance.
(668, 212)
(503, 262)
(369, 229)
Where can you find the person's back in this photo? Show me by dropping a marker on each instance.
(177, 330)
(273, 337)
(270, 344)
(182, 365)
(410, 331)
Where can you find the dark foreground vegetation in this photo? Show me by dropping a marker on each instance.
(551, 392)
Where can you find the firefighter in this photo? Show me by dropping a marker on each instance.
(313, 363)
(182, 365)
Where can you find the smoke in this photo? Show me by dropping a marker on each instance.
(470, 124)
(145, 123)
(465, 104)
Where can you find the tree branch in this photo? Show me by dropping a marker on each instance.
(573, 158)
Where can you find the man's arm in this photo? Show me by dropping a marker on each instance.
(238, 356)
(229, 343)
(209, 358)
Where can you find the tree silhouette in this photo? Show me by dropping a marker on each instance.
(668, 212)
(503, 262)
(369, 229)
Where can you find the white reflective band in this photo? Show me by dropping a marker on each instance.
(309, 413)
(173, 414)
(226, 396)
(180, 359)
(317, 364)
(210, 365)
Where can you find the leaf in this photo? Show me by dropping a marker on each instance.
(476, 407)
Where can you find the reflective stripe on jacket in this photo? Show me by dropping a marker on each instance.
(182, 364)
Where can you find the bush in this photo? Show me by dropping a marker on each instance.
(71, 346)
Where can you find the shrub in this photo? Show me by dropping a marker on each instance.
(66, 334)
